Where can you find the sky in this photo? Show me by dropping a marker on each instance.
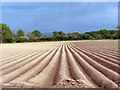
(60, 16)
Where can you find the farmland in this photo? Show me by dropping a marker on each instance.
(62, 64)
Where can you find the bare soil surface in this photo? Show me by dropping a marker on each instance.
(62, 64)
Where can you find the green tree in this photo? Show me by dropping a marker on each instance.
(31, 36)
(20, 36)
(86, 36)
(37, 33)
(55, 33)
(112, 32)
(15, 37)
(116, 35)
(96, 36)
(105, 34)
(70, 37)
(44, 38)
(80, 36)
(6, 34)
(59, 35)
(51, 37)
(76, 35)
(20, 39)
(20, 33)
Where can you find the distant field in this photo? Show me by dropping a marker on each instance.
(62, 64)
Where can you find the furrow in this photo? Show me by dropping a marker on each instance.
(11, 64)
(63, 72)
(24, 62)
(100, 52)
(76, 70)
(107, 72)
(16, 57)
(102, 56)
(100, 79)
(107, 52)
(12, 75)
(35, 70)
(102, 61)
(46, 77)
(106, 55)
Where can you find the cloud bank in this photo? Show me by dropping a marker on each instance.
(65, 16)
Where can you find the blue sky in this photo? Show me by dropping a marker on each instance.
(60, 16)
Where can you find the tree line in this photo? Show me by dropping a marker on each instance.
(7, 36)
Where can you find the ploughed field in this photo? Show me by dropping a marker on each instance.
(65, 64)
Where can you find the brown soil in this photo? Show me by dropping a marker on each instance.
(65, 64)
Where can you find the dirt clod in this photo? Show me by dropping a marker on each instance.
(72, 84)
